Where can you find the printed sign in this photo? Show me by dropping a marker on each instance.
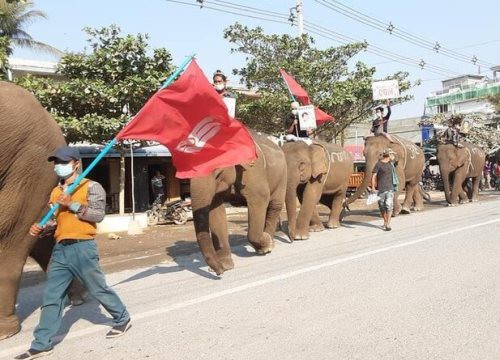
(231, 106)
(307, 117)
(383, 90)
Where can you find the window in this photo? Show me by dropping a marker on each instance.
(442, 108)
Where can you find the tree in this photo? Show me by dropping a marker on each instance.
(14, 17)
(343, 92)
(101, 89)
(4, 57)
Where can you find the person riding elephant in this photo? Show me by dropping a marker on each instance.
(315, 173)
(260, 185)
(409, 161)
(456, 165)
(26, 180)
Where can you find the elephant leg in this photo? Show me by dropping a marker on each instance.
(311, 197)
(258, 202)
(336, 209)
(475, 188)
(316, 224)
(220, 238)
(412, 195)
(274, 211)
(418, 199)
(11, 268)
(397, 206)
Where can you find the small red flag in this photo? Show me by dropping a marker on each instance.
(303, 98)
(191, 120)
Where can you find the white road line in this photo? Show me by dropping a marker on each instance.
(251, 285)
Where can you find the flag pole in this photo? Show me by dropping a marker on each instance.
(108, 147)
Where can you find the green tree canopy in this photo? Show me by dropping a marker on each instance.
(342, 92)
(101, 88)
(15, 16)
(4, 57)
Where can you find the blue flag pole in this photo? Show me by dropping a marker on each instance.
(107, 148)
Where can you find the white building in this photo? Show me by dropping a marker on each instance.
(465, 94)
(21, 67)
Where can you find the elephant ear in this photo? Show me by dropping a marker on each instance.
(319, 161)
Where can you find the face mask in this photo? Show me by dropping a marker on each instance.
(295, 112)
(378, 114)
(220, 87)
(64, 171)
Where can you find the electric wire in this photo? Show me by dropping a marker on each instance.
(316, 29)
(356, 15)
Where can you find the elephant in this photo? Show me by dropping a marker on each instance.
(260, 185)
(26, 180)
(456, 165)
(316, 173)
(410, 163)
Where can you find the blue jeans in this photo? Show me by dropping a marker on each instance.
(80, 260)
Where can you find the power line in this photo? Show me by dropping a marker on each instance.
(316, 29)
(356, 15)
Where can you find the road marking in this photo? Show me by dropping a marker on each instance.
(98, 328)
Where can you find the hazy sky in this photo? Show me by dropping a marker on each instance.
(470, 29)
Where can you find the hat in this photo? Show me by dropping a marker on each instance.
(388, 152)
(65, 153)
(294, 105)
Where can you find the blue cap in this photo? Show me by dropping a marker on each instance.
(65, 153)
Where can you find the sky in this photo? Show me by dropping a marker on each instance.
(469, 29)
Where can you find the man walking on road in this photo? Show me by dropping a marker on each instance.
(383, 179)
(74, 254)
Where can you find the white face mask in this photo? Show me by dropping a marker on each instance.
(64, 171)
(220, 87)
(295, 112)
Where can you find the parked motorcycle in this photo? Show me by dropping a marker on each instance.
(177, 211)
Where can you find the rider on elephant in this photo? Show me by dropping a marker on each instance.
(452, 134)
(379, 125)
(292, 126)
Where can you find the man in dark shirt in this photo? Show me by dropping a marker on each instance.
(382, 180)
(379, 125)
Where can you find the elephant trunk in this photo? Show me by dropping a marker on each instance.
(364, 185)
(202, 192)
(446, 185)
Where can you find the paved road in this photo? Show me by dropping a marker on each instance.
(429, 289)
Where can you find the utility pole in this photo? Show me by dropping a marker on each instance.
(300, 16)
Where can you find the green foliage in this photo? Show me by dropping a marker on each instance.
(4, 57)
(100, 89)
(342, 92)
(15, 16)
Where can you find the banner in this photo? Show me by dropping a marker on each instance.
(388, 89)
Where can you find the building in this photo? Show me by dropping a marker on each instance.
(465, 94)
(21, 67)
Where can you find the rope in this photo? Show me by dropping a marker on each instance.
(327, 158)
(470, 159)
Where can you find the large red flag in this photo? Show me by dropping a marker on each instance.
(303, 98)
(191, 120)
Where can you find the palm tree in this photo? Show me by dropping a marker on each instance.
(14, 17)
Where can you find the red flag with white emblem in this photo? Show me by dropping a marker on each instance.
(191, 120)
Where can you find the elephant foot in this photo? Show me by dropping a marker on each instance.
(227, 263)
(265, 246)
(452, 205)
(418, 208)
(405, 210)
(332, 225)
(9, 326)
(316, 228)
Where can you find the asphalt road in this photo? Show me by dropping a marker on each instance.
(426, 290)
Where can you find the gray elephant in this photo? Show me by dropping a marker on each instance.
(26, 180)
(316, 173)
(410, 165)
(456, 165)
(260, 185)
